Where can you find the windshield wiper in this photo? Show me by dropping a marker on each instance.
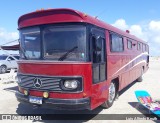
(67, 53)
(23, 52)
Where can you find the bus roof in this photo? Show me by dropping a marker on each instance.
(62, 15)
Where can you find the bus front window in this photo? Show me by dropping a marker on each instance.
(65, 43)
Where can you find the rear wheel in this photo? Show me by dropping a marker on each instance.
(111, 96)
(140, 79)
(3, 69)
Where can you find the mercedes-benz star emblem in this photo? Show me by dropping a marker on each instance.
(37, 83)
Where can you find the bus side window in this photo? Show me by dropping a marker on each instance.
(98, 49)
(116, 43)
(94, 49)
(129, 44)
(144, 47)
(139, 46)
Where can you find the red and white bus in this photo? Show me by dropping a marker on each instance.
(70, 60)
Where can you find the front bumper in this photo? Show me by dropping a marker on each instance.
(62, 104)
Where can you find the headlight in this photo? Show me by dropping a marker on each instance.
(26, 92)
(71, 84)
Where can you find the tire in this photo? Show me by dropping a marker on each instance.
(111, 97)
(140, 79)
(3, 69)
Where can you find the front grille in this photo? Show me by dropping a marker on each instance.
(47, 83)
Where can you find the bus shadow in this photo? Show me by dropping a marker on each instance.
(58, 115)
(127, 87)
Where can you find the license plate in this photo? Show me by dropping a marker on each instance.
(36, 100)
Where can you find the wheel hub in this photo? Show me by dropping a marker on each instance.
(112, 92)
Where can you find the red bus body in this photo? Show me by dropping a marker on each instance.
(122, 67)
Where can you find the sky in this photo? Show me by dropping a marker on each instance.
(141, 17)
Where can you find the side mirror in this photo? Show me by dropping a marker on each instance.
(9, 59)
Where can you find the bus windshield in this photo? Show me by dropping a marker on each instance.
(30, 43)
(64, 43)
(58, 43)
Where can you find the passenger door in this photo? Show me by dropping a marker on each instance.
(98, 56)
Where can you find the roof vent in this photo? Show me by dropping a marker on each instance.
(127, 31)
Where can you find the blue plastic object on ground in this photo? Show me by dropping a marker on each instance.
(145, 99)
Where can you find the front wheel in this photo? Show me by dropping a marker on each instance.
(111, 96)
(3, 69)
